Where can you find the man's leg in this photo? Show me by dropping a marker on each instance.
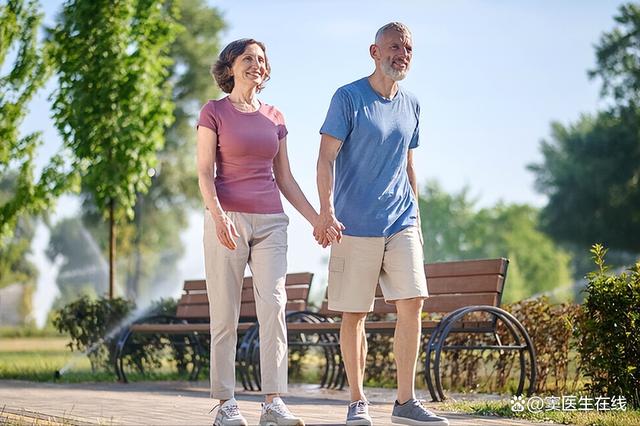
(353, 344)
(406, 344)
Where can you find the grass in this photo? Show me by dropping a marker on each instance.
(36, 359)
(579, 418)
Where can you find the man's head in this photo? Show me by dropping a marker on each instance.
(392, 50)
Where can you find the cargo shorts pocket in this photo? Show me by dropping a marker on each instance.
(336, 271)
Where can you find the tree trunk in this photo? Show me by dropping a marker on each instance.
(112, 249)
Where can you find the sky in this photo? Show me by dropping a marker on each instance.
(490, 75)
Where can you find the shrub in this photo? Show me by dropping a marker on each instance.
(550, 327)
(609, 332)
(92, 326)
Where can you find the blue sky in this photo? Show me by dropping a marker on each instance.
(490, 76)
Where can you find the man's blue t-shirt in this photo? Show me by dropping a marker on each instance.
(372, 195)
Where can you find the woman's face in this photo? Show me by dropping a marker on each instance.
(250, 68)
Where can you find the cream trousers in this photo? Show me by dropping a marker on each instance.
(263, 246)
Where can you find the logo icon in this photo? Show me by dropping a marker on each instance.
(517, 403)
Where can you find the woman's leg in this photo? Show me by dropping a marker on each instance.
(268, 263)
(224, 271)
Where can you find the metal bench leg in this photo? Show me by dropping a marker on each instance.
(514, 326)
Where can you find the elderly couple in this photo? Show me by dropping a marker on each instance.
(368, 214)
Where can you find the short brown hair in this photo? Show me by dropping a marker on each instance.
(221, 70)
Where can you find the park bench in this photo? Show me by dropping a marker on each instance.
(458, 292)
(192, 319)
(467, 295)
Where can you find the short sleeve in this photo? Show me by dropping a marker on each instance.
(281, 126)
(208, 117)
(415, 139)
(339, 120)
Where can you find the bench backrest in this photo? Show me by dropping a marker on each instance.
(194, 303)
(453, 285)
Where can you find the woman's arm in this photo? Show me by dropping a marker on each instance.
(289, 187)
(206, 162)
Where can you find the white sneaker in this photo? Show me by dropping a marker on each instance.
(277, 414)
(229, 414)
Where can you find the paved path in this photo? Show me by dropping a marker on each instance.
(182, 403)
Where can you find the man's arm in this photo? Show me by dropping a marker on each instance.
(328, 228)
(411, 172)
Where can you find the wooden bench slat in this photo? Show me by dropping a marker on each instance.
(466, 267)
(464, 284)
(295, 279)
(298, 327)
(181, 328)
(294, 294)
(247, 309)
(443, 303)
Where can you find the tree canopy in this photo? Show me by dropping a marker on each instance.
(28, 69)
(455, 229)
(591, 168)
(113, 101)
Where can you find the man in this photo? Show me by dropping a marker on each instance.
(369, 133)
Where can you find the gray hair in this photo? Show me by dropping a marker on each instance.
(397, 26)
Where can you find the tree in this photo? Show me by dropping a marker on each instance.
(591, 169)
(113, 104)
(23, 194)
(454, 229)
(150, 242)
(161, 213)
(590, 172)
(617, 56)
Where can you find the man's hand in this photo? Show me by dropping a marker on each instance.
(328, 229)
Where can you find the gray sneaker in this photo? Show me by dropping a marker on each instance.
(358, 413)
(277, 413)
(413, 412)
(229, 414)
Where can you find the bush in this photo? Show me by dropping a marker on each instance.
(95, 324)
(92, 326)
(609, 331)
(551, 331)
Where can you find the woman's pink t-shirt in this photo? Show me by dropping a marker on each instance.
(247, 144)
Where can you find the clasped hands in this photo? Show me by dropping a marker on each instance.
(327, 229)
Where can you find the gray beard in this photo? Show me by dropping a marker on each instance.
(392, 73)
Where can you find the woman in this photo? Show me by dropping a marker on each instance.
(242, 168)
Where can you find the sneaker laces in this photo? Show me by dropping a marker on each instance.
(361, 406)
(280, 408)
(230, 410)
(418, 403)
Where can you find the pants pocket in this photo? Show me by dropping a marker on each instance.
(336, 273)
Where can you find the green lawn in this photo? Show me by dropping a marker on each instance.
(36, 359)
(579, 418)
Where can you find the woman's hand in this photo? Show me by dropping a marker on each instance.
(225, 230)
(327, 229)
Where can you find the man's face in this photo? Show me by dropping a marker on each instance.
(395, 52)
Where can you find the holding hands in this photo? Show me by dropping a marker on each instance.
(327, 229)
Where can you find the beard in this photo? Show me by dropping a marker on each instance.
(392, 73)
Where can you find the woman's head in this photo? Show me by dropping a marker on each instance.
(242, 61)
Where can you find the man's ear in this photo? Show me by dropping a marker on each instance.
(373, 51)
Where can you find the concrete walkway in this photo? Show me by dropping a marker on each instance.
(182, 403)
